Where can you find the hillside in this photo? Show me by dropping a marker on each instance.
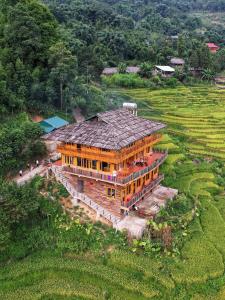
(195, 270)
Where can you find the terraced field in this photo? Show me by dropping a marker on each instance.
(196, 113)
(196, 128)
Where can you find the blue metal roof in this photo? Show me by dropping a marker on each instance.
(53, 123)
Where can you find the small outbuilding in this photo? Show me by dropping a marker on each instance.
(177, 62)
(48, 125)
(164, 71)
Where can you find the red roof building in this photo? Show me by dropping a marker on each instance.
(213, 48)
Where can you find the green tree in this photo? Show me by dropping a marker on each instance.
(181, 47)
(122, 67)
(146, 70)
(220, 60)
(63, 71)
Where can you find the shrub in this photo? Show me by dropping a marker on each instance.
(124, 80)
(171, 82)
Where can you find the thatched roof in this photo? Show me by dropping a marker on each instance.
(108, 130)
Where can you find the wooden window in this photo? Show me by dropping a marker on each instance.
(105, 166)
(94, 164)
(79, 162)
(105, 150)
(138, 182)
(111, 192)
(84, 163)
(128, 189)
(79, 146)
(68, 160)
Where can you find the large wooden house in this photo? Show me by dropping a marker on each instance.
(111, 158)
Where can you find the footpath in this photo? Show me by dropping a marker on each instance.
(29, 174)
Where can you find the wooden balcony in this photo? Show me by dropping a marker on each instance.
(122, 178)
(138, 196)
(109, 156)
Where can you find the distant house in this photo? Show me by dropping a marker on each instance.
(109, 71)
(213, 48)
(177, 62)
(164, 71)
(112, 71)
(133, 70)
(48, 125)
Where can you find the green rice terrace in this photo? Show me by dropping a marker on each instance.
(195, 138)
(196, 113)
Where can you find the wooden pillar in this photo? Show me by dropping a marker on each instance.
(111, 168)
(98, 165)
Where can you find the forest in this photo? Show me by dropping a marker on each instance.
(52, 53)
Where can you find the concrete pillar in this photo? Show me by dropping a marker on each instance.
(98, 215)
(75, 202)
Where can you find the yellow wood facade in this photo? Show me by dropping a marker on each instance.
(107, 162)
(103, 160)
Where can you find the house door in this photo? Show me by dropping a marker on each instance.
(80, 186)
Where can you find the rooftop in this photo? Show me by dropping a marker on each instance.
(177, 61)
(111, 130)
(111, 71)
(133, 69)
(212, 45)
(48, 125)
(165, 68)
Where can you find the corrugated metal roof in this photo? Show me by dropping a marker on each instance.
(165, 68)
(50, 124)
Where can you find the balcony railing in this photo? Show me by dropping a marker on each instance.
(138, 196)
(115, 179)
